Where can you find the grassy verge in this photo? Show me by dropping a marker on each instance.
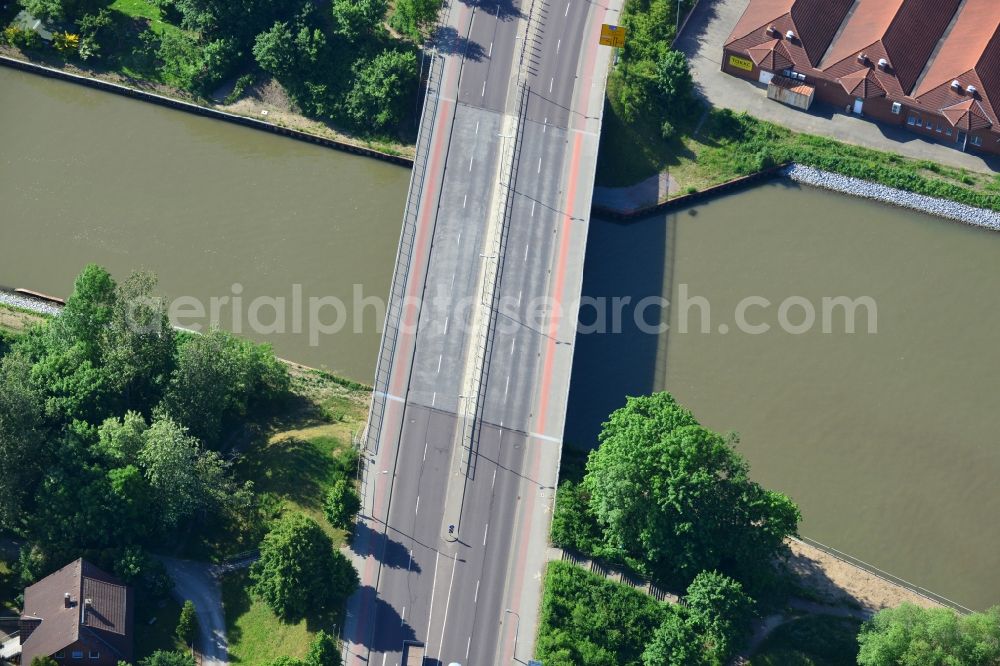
(817, 640)
(721, 146)
(256, 636)
(587, 620)
(309, 446)
(155, 626)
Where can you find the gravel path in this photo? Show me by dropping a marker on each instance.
(26, 303)
(195, 581)
(862, 188)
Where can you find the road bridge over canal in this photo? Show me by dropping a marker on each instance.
(463, 444)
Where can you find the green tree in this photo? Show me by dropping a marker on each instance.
(275, 51)
(358, 18)
(187, 623)
(24, 444)
(383, 89)
(411, 17)
(342, 504)
(573, 526)
(720, 613)
(323, 651)
(120, 440)
(912, 636)
(168, 658)
(181, 60)
(676, 497)
(676, 641)
(674, 82)
(217, 379)
(44, 661)
(299, 572)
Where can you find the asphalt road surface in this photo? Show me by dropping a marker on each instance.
(473, 598)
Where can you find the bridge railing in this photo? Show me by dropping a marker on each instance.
(404, 254)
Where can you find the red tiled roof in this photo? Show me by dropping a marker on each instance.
(963, 46)
(816, 23)
(757, 14)
(771, 55)
(967, 115)
(865, 25)
(792, 84)
(863, 84)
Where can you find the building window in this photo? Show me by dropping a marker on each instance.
(947, 130)
(912, 120)
(939, 128)
(78, 654)
(976, 140)
(60, 654)
(896, 108)
(920, 123)
(94, 654)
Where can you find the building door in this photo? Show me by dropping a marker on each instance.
(858, 104)
(765, 77)
(961, 139)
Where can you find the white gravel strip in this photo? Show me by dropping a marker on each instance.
(948, 209)
(26, 303)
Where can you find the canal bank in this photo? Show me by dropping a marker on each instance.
(886, 440)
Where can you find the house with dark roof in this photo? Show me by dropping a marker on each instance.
(931, 66)
(79, 615)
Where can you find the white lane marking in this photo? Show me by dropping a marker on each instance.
(566, 13)
(447, 604)
(506, 388)
(477, 127)
(409, 565)
(484, 89)
(545, 125)
(475, 599)
(416, 509)
(402, 616)
(453, 279)
(512, 341)
(558, 44)
(486, 533)
(545, 437)
(434, 398)
(446, 320)
(383, 659)
(459, 239)
(494, 477)
(521, 293)
(470, 161)
(389, 396)
(465, 200)
(490, 55)
(440, 358)
(433, 589)
(532, 215)
(551, 81)
(468, 643)
(539, 165)
(425, 450)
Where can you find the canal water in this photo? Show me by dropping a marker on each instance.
(888, 441)
(214, 209)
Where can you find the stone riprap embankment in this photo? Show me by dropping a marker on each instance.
(26, 303)
(861, 188)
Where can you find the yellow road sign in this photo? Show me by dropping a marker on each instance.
(613, 35)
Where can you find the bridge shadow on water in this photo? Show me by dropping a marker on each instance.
(614, 359)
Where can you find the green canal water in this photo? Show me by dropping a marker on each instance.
(86, 176)
(888, 441)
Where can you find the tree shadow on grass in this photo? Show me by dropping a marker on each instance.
(292, 468)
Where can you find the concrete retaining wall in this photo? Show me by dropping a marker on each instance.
(189, 107)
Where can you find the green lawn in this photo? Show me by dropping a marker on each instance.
(816, 640)
(143, 9)
(310, 446)
(160, 634)
(256, 635)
